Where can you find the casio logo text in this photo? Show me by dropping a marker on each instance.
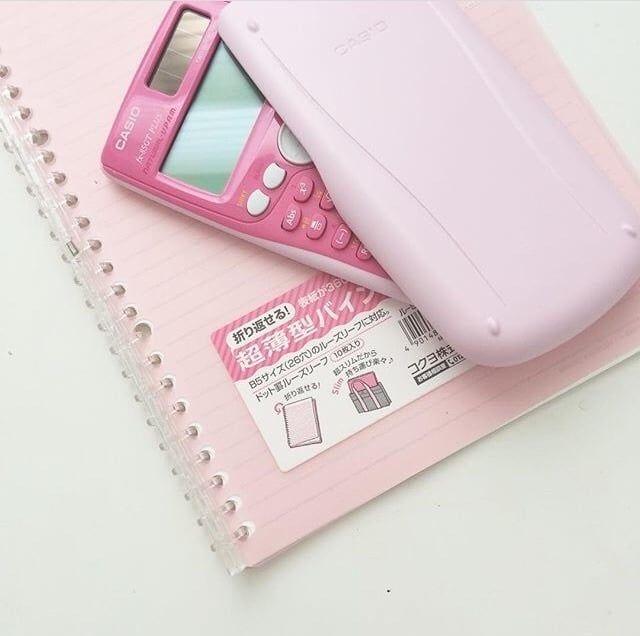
(127, 128)
(362, 37)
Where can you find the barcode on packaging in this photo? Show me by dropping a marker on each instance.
(415, 326)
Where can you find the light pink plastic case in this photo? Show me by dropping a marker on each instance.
(474, 198)
(299, 220)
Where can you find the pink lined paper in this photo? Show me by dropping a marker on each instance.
(188, 279)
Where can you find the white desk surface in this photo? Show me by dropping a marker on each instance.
(534, 530)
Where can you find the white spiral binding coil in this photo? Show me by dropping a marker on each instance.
(121, 322)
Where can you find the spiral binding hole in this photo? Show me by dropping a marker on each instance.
(7, 146)
(5, 71)
(180, 406)
(205, 456)
(168, 382)
(39, 136)
(82, 222)
(106, 267)
(71, 200)
(24, 112)
(47, 156)
(244, 531)
(118, 289)
(130, 311)
(12, 91)
(215, 481)
(154, 358)
(143, 329)
(230, 505)
(59, 178)
(193, 430)
(218, 480)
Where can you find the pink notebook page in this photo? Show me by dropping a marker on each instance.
(74, 62)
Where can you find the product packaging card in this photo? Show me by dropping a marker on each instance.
(327, 359)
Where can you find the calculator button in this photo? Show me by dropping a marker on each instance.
(290, 148)
(273, 176)
(303, 189)
(317, 226)
(257, 203)
(363, 253)
(291, 218)
(341, 237)
(326, 202)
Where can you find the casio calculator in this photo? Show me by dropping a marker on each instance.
(195, 133)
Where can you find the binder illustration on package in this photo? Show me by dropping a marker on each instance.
(367, 393)
(301, 423)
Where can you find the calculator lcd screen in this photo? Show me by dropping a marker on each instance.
(216, 127)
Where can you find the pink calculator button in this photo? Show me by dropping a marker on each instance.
(363, 253)
(341, 237)
(326, 202)
(303, 189)
(291, 218)
(317, 226)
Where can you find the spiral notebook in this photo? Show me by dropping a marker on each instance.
(161, 284)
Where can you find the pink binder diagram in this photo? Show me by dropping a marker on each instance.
(301, 423)
(367, 393)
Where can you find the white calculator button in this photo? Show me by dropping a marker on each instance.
(257, 203)
(273, 176)
(290, 148)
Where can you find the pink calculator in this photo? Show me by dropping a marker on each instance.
(195, 133)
